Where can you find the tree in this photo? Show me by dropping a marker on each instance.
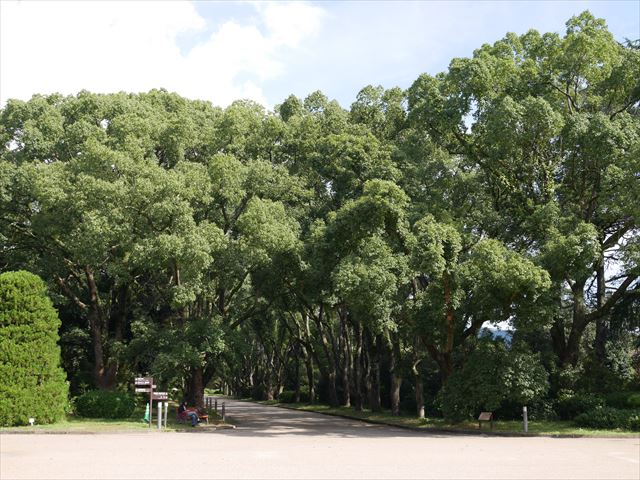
(549, 122)
(32, 384)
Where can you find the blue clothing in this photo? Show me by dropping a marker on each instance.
(194, 418)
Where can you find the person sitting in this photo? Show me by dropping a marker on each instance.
(184, 413)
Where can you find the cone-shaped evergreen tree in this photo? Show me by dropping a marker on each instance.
(32, 384)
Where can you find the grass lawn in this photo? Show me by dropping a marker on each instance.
(543, 427)
(74, 424)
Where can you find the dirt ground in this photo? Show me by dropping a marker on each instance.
(276, 443)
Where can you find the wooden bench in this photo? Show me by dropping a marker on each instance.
(184, 416)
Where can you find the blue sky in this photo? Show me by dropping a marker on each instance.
(221, 51)
(391, 43)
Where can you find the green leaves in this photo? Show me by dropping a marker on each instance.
(32, 384)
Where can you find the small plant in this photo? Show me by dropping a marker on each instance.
(105, 404)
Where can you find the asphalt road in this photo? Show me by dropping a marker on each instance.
(276, 443)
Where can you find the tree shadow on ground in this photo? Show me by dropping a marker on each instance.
(256, 420)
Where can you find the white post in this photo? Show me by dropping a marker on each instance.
(166, 409)
(526, 419)
(159, 415)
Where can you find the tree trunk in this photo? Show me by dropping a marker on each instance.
(601, 322)
(297, 370)
(195, 389)
(346, 362)
(569, 354)
(358, 368)
(415, 369)
(96, 325)
(331, 372)
(394, 372)
(374, 394)
(419, 392)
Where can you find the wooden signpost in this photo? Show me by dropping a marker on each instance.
(485, 417)
(145, 385)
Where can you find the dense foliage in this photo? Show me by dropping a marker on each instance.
(105, 404)
(348, 256)
(32, 384)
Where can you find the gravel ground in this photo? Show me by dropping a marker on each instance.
(276, 443)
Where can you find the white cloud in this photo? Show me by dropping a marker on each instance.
(65, 47)
(289, 23)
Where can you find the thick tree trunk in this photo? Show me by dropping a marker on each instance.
(331, 372)
(195, 388)
(96, 326)
(569, 353)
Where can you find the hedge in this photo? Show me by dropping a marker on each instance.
(105, 404)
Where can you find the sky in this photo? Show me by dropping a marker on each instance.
(264, 51)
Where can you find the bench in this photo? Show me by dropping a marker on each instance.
(184, 416)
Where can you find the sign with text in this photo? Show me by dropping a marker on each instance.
(143, 380)
(160, 396)
(143, 390)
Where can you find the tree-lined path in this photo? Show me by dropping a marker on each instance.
(276, 443)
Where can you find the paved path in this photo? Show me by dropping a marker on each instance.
(276, 443)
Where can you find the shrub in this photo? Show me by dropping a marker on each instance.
(32, 384)
(633, 422)
(105, 404)
(569, 407)
(607, 417)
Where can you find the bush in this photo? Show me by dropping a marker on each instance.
(607, 417)
(105, 404)
(289, 396)
(569, 407)
(32, 384)
(623, 400)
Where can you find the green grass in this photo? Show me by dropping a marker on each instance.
(542, 427)
(74, 424)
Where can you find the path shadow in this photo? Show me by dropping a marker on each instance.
(257, 420)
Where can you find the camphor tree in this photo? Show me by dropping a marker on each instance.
(551, 125)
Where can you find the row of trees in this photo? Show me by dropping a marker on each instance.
(348, 255)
